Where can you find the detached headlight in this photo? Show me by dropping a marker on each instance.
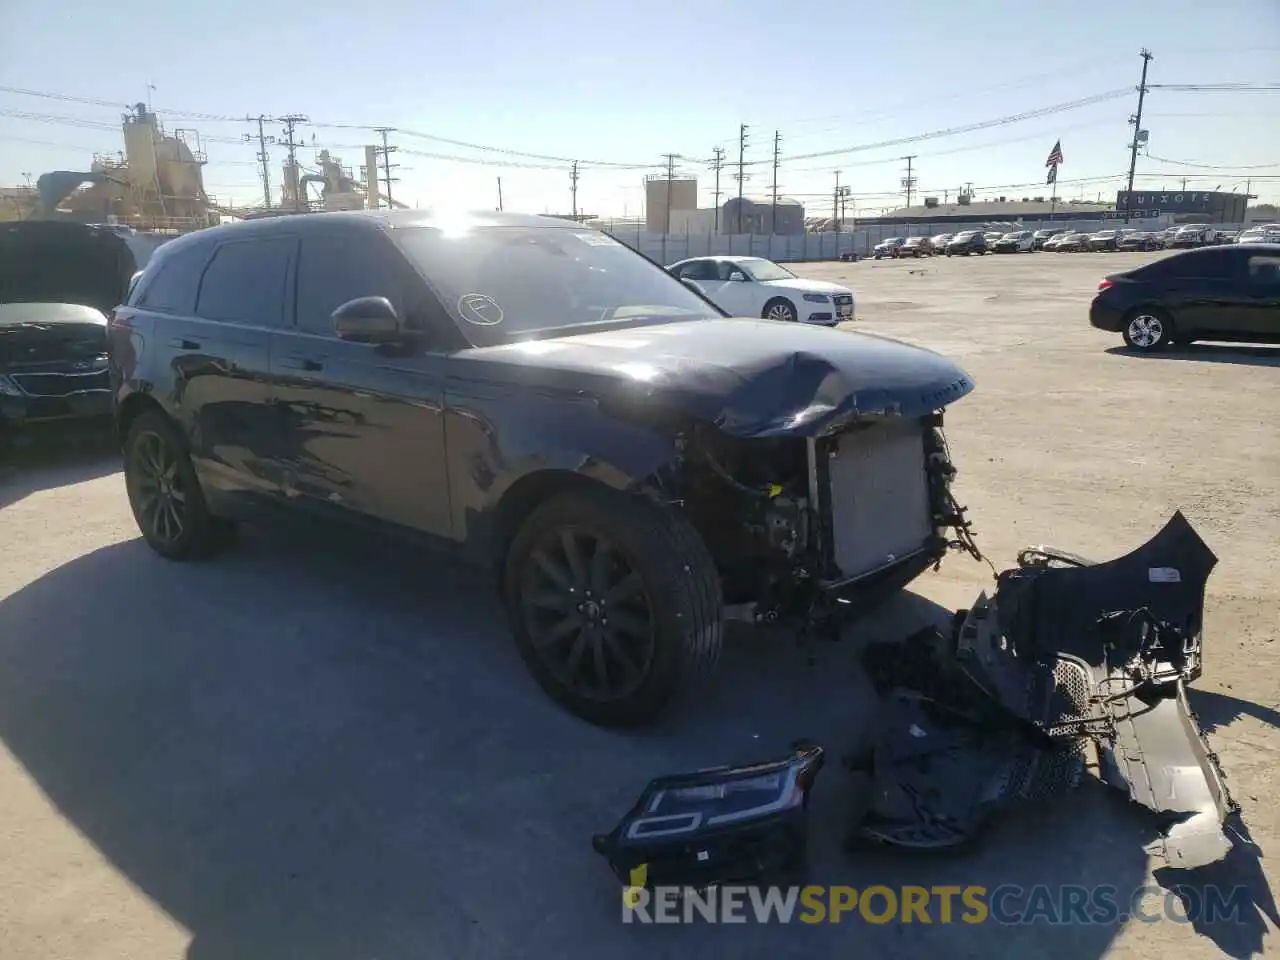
(817, 297)
(8, 388)
(725, 825)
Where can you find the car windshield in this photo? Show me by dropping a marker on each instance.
(764, 270)
(507, 283)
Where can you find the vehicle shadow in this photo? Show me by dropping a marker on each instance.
(46, 464)
(1209, 353)
(331, 749)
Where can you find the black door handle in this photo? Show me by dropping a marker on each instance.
(309, 364)
(180, 344)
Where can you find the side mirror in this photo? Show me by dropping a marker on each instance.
(738, 277)
(368, 320)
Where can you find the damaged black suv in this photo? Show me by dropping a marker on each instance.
(632, 465)
(57, 282)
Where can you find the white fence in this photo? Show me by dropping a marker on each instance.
(667, 249)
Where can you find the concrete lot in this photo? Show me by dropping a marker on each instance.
(314, 751)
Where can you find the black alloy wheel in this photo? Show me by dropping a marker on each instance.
(165, 495)
(588, 615)
(158, 490)
(615, 604)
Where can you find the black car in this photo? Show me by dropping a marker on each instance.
(970, 241)
(1214, 293)
(57, 281)
(532, 396)
(1139, 241)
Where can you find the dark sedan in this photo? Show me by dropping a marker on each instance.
(1139, 241)
(970, 241)
(623, 460)
(57, 280)
(1214, 293)
(1040, 237)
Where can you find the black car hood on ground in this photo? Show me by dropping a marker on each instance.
(56, 262)
(751, 378)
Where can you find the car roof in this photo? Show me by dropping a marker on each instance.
(301, 224)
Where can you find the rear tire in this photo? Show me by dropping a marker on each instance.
(654, 576)
(165, 495)
(1148, 329)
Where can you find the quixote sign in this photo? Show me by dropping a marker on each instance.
(1153, 203)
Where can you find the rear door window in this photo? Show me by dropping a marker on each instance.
(245, 282)
(1265, 271)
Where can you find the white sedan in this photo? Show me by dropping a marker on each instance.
(754, 287)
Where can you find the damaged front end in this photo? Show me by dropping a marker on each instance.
(1065, 654)
(804, 527)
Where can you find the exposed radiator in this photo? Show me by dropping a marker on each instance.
(880, 509)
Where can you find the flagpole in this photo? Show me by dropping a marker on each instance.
(1053, 201)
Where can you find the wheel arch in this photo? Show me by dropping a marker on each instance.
(132, 407)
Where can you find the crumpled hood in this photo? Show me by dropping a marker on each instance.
(751, 378)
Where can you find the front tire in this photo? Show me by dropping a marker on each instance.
(1148, 329)
(165, 495)
(584, 559)
(780, 308)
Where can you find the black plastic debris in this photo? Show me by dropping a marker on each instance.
(732, 824)
(1066, 653)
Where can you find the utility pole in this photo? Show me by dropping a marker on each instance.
(573, 187)
(1136, 120)
(499, 194)
(835, 203)
(716, 163)
(263, 157)
(290, 123)
(909, 182)
(671, 175)
(741, 175)
(773, 214)
(385, 153)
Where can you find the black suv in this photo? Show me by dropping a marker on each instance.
(970, 241)
(537, 398)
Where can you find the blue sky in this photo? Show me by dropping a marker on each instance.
(625, 83)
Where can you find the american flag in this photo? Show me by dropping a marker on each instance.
(1055, 155)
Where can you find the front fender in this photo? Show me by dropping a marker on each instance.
(496, 436)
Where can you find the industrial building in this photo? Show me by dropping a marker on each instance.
(156, 185)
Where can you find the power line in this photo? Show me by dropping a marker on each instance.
(1216, 87)
(971, 127)
(1212, 166)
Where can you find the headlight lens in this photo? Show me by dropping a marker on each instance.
(816, 297)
